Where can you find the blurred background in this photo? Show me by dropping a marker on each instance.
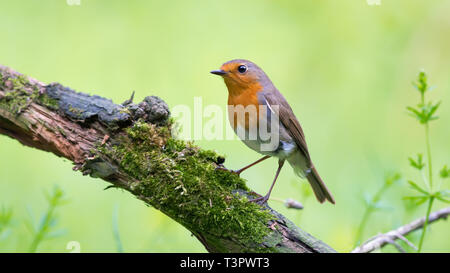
(346, 68)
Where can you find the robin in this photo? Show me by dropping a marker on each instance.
(248, 85)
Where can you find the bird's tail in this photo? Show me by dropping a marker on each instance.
(320, 190)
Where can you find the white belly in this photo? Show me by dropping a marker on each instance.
(281, 149)
(280, 145)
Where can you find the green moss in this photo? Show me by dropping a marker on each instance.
(2, 83)
(45, 100)
(19, 93)
(75, 111)
(19, 83)
(125, 110)
(15, 101)
(179, 179)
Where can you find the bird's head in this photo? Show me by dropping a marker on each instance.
(241, 75)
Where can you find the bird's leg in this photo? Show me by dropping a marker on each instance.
(263, 199)
(238, 172)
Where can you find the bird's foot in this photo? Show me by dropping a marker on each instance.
(260, 200)
(255, 193)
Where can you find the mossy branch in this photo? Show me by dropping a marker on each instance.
(131, 146)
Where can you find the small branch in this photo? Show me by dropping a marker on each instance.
(388, 238)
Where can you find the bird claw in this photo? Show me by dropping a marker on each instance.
(255, 193)
(260, 200)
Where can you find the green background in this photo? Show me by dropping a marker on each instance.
(345, 67)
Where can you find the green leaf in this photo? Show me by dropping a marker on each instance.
(5, 222)
(415, 113)
(443, 195)
(48, 220)
(417, 200)
(445, 172)
(417, 188)
(434, 108)
(425, 112)
(5, 216)
(392, 178)
(418, 164)
(443, 200)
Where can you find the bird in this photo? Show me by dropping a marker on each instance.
(249, 86)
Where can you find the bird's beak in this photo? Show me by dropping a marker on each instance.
(219, 72)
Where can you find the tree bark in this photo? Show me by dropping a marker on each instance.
(130, 146)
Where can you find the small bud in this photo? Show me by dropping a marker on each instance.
(293, 204)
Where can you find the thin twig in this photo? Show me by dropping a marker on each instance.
(408, 242)
(387, 238)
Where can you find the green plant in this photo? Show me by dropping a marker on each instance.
(5, 222)
(374, 203)
(425, 112)
(115, 227)
(46, 227)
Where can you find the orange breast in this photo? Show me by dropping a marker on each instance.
(241, 114)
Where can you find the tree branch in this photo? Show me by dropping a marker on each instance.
(130, 146)
(389, 238)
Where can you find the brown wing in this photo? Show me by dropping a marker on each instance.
(287, 119)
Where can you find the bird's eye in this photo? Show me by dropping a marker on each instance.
(242, 69)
